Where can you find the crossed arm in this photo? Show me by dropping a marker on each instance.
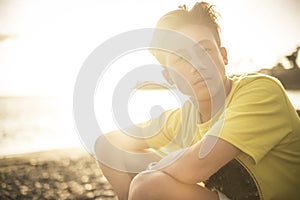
(188, 169)
(198, 162)
(201, 160)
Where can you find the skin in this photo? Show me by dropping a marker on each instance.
(170, 182)
(215, 74)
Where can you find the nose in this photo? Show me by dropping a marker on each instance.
(193, 70)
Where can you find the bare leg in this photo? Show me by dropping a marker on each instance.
(158, 185)
(120, 181)
(119, 165)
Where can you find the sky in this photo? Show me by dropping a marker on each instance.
(43, 43)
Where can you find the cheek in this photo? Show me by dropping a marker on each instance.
(183, 84)
(219, 67)
(220, 60)
(213, 84)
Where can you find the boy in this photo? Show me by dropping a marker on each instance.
(245, 146)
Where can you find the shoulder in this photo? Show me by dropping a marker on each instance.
(257, 85)
(257, 80)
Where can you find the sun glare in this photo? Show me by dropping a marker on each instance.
(51, 39)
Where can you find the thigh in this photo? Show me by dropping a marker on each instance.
(158, 185)
(120, 181)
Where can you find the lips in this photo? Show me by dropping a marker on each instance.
(197, 81)
(200, 77)
(200, 80)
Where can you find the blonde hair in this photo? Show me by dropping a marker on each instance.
(202, 13)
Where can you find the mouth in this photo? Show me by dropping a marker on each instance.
(200, 81)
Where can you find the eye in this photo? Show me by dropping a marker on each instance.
(203, 49)
(208, 49)
(179, 59)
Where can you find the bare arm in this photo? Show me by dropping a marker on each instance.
(118, 165)
(124, 153)
(125, 142)
(199, 168)
(121, 157)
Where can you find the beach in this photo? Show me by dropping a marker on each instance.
(56, 174)
(38, 125)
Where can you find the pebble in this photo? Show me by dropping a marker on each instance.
(65, 178)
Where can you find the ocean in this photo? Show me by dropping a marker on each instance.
(29, 124)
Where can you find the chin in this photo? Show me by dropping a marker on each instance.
(204, 96)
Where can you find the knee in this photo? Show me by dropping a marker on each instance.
(139, 188)
(144, 186)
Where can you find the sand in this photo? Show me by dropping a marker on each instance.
(58, 174)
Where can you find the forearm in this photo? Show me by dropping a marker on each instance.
(198, 162)
(123, 160)
(179, 165)
(186, 168)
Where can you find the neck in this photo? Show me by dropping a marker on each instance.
(209, 107)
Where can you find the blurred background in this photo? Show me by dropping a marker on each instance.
(44, 43)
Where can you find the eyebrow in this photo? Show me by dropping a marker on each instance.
(200, 42)
(203, 42)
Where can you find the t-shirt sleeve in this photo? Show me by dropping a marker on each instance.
(256, 120)
(160, 131)
(178, 129)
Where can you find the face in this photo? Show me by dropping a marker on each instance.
(197, 70)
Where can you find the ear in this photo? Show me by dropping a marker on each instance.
(167, 76)
(224, 55)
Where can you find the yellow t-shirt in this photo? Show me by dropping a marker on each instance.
(259, 119)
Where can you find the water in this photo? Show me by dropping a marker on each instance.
(29, 124)
(294, 97)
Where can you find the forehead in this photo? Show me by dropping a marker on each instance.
(194, 37)
(197, 36)
(198, 33)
